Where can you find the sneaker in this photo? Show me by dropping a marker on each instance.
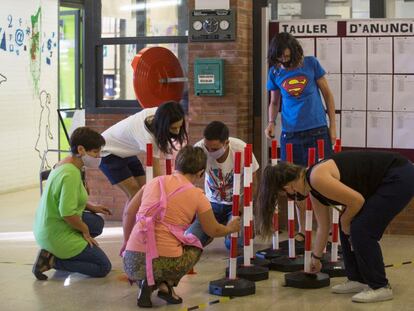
(374, 295)
(44, 262)
(349, 287)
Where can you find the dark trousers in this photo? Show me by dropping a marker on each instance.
(365, 263)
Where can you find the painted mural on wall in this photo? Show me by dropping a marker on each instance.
(44, 134)
(23, 37)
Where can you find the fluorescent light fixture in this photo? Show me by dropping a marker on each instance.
(150, 5)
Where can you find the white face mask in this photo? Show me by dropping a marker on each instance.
(217, 154)
(90, 161)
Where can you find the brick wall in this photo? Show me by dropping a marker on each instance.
(235, 107)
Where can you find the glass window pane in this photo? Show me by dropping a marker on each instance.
(117, 70)
(131, 18)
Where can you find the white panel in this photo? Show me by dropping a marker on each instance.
(379, 92)
(328, 51)
(403, 93)
(403, 130)
(379, 55)
(354, 92)
(403, 54)
(379, 129)
(308, 46)
(353, 125)
(354, 55)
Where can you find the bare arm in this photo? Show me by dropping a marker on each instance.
(212, 228)
(274, 107)
(325, 178)
(156, 167)
(330, 106)
(130, 212)
(322, 218)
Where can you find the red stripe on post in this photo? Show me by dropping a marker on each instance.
(321, 149)
(233, 248)
(168, 166)
(275, 222)
(250, 152)
(308, 240)
(337, 147)
(149, 155)
(311, 156)
(235, 207)
(289, 153)
(246, 236)
(291, 228)
(335, 233)
(274, 149)
(237, 162)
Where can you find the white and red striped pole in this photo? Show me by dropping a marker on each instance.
(168, 164)
(235, 213)
(321, 156)
(250, 176)
(149, 170)
(275, 238)
(246, 212)
(308, 221)
(291, 210)
(335, 219)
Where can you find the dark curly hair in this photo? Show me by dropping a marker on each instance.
(274, 178)
(279, 44)
(167, 114)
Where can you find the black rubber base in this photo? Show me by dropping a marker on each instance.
(251, 273)
(329, 245)
(299, 246)
(261, 262)
(270, 253)
(234, 288)
(334, 269)
(286, 264)
(301, 279)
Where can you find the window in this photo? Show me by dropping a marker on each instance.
(115, 32)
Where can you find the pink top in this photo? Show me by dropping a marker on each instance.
(181, 209)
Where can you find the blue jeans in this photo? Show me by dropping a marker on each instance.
(91, 261)
(304, 140)
(223, 213)
(363, 261)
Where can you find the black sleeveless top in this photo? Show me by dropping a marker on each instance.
(362, 171)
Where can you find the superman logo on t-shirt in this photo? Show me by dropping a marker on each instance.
(295, 85)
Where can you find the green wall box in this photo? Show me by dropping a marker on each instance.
(209, 77)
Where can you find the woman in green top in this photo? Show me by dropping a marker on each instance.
(62, 228)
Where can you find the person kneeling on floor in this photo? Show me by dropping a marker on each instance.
(158, 253)
(65, 223)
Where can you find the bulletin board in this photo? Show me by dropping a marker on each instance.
(369, 66)
(28, 89)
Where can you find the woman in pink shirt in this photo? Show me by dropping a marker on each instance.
(158, 253)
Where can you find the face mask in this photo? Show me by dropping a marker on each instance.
(91, 162)
(217, 154)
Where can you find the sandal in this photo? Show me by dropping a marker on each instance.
(144, 296)
(44, 262)
(168, 297)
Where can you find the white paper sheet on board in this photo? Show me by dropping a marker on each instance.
(328, 52)
(403, 93)
(353, 125)
(403, 54)
(212, 4)
(334, 82)
(379, 92)
(308, 46)
(403, 130)
(379, 55)
(354, 92)
(379, 129)
(354, 55)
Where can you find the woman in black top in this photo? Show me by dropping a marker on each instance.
(372, 187)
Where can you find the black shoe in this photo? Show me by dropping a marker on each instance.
(144, 296)
(43, 263)
(168, 297)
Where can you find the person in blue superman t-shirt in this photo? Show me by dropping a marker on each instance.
(294, 81)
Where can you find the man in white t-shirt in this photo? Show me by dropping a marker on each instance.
(218, 183)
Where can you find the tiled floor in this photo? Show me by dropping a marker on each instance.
(20, 291)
